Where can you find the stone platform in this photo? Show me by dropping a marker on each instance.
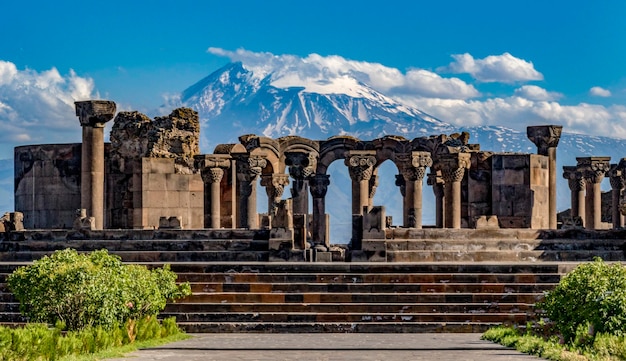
(457, 280)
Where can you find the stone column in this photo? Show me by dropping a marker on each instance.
(249, 168)
(413, 172)
(546, 138)
(401, 183)
(593, 169)
(212, 170)
(617, 176)
(361, 167)
(453, 168)
(319, 185)
(301, 167)
(576, 184)
(436, 181)
(274, 187)
(93, 114)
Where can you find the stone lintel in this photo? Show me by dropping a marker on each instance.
(544, 136)
(95, 113)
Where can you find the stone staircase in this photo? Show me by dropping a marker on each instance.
(455, 282)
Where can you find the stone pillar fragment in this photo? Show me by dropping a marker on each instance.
(436, 181)
(212, 170)
(576, 184)
(413, 171)
(274, 187)
(361, 167)
(249, 168)
(93, 115)
(617, 176)
(301, 166)
(319, 186)
(546, 138)
(452, 167)
(594, 170)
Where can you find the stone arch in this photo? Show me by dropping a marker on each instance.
(335, 148)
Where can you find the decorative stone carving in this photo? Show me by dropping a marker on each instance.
(360, 166)
(250, 167)
(275, 187)
(212, 166)
(319, 185)
(401, 182)
(593, 168)
(453, 166)
(301, 165)
(544, 137)
(574, 178)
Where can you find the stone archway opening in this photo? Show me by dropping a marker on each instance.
(338, 201)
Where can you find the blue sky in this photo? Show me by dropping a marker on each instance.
(136, 53)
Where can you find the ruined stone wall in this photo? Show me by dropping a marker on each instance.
(47, 184)
(520, 193)
(150, 170)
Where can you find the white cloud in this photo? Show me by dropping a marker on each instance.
(597, 91)
(503, 68)
(533, 92)
(38, 107)
(518, 113)
(335, 74)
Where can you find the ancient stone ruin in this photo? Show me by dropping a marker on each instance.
(151, 175)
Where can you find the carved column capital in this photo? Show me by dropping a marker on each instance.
(249, 167)
(544, 137)
(593, 168)
(453, 166)
(574, 178)
(616, 177)
(277, 181)
(301, 164)
(318, 184)
(95, 113)
(212, 166)
(360, 165)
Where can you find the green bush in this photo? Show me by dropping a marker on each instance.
(589, 300)
(95, 289)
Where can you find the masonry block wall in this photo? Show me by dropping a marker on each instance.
(520, 193)
(47, 184)
(160, 192)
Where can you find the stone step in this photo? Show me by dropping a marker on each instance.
(517, 318)
(183, 307)
(157, 256)
(339, 327)
(163, 245)
(370, 287)
(371, 268)
(502, 244)
(404, 298)
(503, 256)
(383, 278)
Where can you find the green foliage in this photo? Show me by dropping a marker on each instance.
(88, 290)
(39, 342)
(589, 300)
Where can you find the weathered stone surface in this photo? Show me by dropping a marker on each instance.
(135, 136)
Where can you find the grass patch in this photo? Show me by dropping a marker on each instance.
(117, 352)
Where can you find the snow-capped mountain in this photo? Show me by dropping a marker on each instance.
(234, 100)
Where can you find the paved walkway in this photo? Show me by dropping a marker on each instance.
(355, 346)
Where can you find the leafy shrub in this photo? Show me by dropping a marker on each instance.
(95, 289)
(589, 300)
